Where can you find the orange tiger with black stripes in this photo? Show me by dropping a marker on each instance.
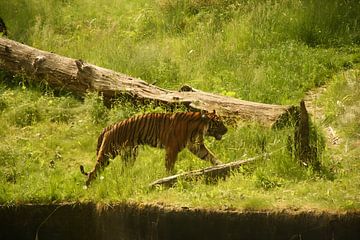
(171, 131)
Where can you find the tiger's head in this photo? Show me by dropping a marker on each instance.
(216, 126)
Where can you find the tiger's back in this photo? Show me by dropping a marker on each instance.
(154, 129)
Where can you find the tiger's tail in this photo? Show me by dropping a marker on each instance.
(83, 171)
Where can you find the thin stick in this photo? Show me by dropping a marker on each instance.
(43, 222)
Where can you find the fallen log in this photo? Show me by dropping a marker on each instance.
(80, 77)
(209, 173)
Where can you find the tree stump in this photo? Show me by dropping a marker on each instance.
(304, 151)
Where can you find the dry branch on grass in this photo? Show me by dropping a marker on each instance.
(209, 173)
(79, 77)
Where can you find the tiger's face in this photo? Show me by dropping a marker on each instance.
(216, 126)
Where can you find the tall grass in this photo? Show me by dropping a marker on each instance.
(266, 51)
(40, 160)
(255, 50)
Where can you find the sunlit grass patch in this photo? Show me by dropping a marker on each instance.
(259, 51)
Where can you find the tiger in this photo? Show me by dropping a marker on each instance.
(170, 131)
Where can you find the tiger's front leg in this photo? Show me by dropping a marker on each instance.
(170, 159)
(106, 151)
(203, 153)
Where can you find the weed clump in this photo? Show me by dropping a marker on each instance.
(97, 110)
(3, 104)
(26, 115)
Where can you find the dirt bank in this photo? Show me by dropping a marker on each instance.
(133, 221)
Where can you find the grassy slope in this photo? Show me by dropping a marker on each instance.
(268, 52)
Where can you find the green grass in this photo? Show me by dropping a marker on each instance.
(265, 51)
(40, 160)
(257, 50)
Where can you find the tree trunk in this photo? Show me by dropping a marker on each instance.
(304, 152)
(79, 77)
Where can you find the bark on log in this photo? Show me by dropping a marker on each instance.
(210, 173)
(79, 77)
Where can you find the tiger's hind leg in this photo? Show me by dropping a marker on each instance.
(201, 151)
